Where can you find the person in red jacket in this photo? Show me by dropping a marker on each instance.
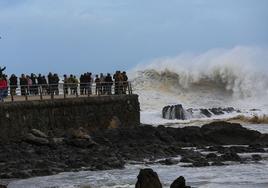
(3, 88)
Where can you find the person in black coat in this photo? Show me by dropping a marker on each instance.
(13, 82)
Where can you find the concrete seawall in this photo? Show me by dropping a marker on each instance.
(55, 117)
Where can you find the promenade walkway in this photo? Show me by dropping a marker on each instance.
(62, 91)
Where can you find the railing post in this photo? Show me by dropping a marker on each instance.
(64, 90)
(51, 91)
(26, 95)
(76, 91)
(41, 91)
(130, 88)
(12, 97)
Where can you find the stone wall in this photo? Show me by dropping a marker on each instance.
(55, 117)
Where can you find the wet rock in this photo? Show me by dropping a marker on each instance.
(81, 143)
(30, 138)
(231, 156)
(179, 183)
(216, 111)
(205, 112)
(224, 133)
(211, 156)
(200, 163)
(38, 133)
(169, 162)
(217, 163)
(147, 178)
(174, 112)
(256, 157)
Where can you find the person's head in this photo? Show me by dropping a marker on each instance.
(97, 76)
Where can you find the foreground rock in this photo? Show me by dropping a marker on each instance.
(147, 178)
(179, 183)
(39, 155)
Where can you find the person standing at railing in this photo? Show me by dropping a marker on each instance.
(23, 84)
(116, 82)
(125, 82)
(65, 84)
(73, 83)
(3, 88)
(82, 84)
(108, 83)
(13, 82)
(55, 82)
(102, 84)
(98, 85)
(34, 87)
(88, 80)
(42, 84)
(50, 81)
(29, 84)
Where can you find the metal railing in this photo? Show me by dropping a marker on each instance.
(67, 90)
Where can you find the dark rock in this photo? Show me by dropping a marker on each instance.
(230, 157)
(81, 143)
(228, 109)
(200, 163)
(174, 112)
(217, 163)
(224, 133)
(216, 111)
(30, 138)
(179, 183)
(256, 157)
(205, 112)
(38, 133)
(219, 149)
(211, 156)
(147, 178)
(169, 161)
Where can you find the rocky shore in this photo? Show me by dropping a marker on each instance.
(39, 155)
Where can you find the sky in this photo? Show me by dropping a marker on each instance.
(75, 36)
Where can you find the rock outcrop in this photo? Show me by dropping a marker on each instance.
(147, 178)
(180, 182)
(174, 112)
(178, 112)
(36, 155)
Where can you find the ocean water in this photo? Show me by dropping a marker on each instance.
(218, 78)
(232, 176)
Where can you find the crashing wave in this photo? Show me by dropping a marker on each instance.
(215, 78)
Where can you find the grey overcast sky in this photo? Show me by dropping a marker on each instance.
(73, 36)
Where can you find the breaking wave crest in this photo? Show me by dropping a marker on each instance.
(217, 75)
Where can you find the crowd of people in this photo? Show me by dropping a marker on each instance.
(71, 85)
